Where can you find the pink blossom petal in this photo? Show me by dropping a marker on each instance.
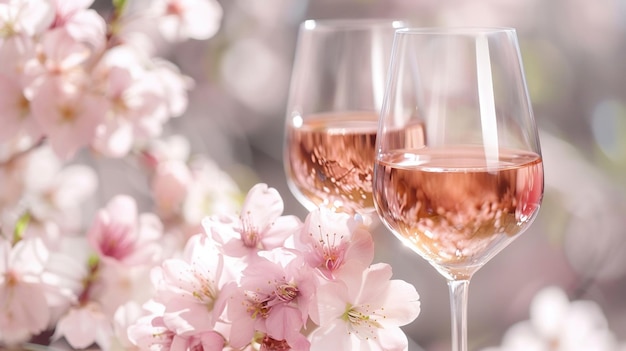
(29, 257)
(331, 336)
(15, 51)
(211, 341)
(114, 138)
(182, 19)
(5, 250)
(374, 283)
(332, 299)
(74, 183)
(392, 339)
(284, 322)
(361, 248)
(68, 116)
(123, 209)
(332, 240)
(24, 307)
(33, 16)
(522, 336)
(178, 278)
(261, 206)
(202, 19)
(66, 8)
(548, 310)
(243, 327)
(62, 51)
(150, 332)
(15, 109)
(80, 326)
(169, 186)
(282, 228)
(89, 27)
(401, 303)
(174, 85)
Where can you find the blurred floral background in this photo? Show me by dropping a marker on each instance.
(573, 54)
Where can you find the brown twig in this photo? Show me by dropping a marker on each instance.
(22, 153)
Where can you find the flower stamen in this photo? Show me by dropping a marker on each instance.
(357, 318)
(206, 292)
(250, 234)
(331, 250)
(286, 292)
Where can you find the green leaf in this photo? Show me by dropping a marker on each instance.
(20, 227)
(119, 5)
(93, 261)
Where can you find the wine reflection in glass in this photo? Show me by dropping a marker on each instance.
(458, 171)
(336, 92)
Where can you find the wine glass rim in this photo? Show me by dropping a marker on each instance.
(455, 30)
(352, 23)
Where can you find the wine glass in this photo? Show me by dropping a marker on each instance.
(336, 92)
(458, 172)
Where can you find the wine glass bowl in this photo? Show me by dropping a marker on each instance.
(458, 173)
(446, 205)
(331, 160)
(333, 108)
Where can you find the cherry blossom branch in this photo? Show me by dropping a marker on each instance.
(22, 153)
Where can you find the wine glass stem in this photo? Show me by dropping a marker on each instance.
(458, 308)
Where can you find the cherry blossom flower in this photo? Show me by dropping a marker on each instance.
(133, 99)
(187, 189)
(171, 148)
(61, 200)
(364, 307)
(151, 332)
(106, 286)
(36, 285)
(20, 21)
(120, 234)
(85, 325)
(211, 192)
(274, 299)
(69, 115)
(15, 109)
(67, 271)
(28, 17)
(15, 51)
(117, 284)
(44, 199)
(174, 86)
(194, 289)
(143, 94)
(23, 300)
(12, 188)
(330, 240)
(259, 226)
(59, 196)
(132, 103)
(184, 19)
(170, 185)
(82, 23)
(59, 55)
(558, 324)
(125, 316)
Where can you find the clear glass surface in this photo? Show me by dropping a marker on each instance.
(458, 172)
(334, 102)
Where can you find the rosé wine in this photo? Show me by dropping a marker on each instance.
(330, 160)
(458, 206)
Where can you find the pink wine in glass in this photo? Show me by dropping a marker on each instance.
(331, 159)
(458, 206)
